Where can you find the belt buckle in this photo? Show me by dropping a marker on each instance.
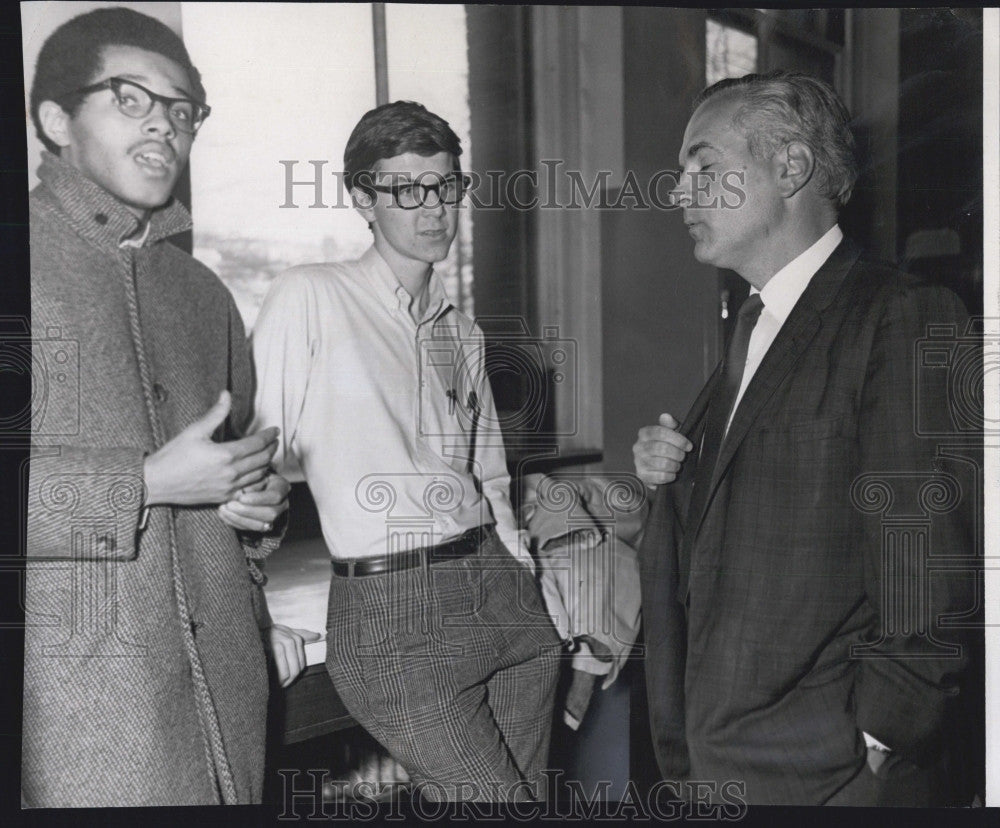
(347, 565)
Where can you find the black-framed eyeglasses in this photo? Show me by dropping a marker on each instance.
(136, 101)
(412, 194)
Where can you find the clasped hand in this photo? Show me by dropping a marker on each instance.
(659, 452)
(286, 647)
(193, 470)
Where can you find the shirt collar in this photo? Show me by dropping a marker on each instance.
(393, 295)
(98, 215)
(137, 241)
(785, 287)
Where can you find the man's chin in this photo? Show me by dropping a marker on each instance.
(150, 195)
(702, 254)
(148, 202)
(436, 254)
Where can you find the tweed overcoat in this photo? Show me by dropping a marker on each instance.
(145, 678)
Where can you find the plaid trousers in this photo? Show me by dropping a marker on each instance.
(452, 667)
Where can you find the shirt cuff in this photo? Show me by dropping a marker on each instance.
(872, 742)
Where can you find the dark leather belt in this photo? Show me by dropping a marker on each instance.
(461, 547)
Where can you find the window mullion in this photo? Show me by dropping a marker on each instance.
(381, 54)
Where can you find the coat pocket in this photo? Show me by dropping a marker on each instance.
(823, 429)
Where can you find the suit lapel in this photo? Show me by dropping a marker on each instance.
(693, 427)
(694, 423)
(797, 332)
(799, 329)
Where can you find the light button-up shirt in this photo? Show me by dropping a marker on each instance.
(390, 420)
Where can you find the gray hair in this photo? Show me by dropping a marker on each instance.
(781, 107)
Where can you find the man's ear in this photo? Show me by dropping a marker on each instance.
(796, 164)
(364, 203)
(55, 123)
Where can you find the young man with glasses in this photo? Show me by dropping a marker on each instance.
(144, 672)
(437, 639)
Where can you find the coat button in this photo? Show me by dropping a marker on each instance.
(100, 218)
(160, 393)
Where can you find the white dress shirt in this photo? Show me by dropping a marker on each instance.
(779, 297)
(376, 410)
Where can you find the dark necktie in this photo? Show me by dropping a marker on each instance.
(721, 405)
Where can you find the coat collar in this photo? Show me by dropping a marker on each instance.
(100, 217)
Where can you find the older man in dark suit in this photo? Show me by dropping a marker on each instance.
(799, 625)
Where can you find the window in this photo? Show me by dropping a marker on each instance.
(758, 40)
(287, 83)
(427, 50)
(730, 52)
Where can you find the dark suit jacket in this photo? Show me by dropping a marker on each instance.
(802, 607)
